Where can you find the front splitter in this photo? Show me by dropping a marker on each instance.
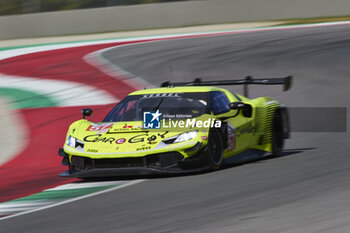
(128, 172)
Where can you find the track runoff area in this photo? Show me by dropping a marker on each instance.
(57, 79)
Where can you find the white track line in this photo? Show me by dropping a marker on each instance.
(15, 207)
(66, 93)
(74, 199)
(105, 66)
(84, 185)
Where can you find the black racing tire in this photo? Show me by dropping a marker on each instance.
(277, 139)
(214, 154)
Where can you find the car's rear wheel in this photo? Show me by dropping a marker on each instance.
(215, 149)
(277, 134)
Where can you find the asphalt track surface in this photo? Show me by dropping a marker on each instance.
(306, 190)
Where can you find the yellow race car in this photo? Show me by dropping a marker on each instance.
(178, 128)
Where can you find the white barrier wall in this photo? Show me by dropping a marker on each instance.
(162, 15)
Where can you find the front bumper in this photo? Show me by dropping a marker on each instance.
(154, 164)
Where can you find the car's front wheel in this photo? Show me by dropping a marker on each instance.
(215, 149)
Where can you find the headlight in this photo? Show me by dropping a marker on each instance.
(71, 141)
(181, 138)
(186, 136)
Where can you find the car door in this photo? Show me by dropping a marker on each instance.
(238, 127)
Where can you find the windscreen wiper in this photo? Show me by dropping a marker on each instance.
(157, 107)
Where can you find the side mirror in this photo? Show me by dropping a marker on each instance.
(86, 112)
(236, 105)
(247, 109)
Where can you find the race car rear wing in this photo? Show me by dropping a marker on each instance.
(285, 81)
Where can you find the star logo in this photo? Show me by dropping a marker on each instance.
(156, 115)
(151, 120)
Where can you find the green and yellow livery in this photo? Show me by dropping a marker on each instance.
(177, 128)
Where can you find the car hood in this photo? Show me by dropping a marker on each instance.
(127, 137)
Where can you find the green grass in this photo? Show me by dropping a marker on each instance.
(315, 20)
(61, 194)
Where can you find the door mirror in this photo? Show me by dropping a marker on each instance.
(86, 112)
(247, 109)
(236, 105)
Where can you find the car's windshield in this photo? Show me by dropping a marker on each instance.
(171, 105)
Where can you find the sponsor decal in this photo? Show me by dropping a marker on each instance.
(92, 150)
(144, 137)
(143, 148)
(100, 128)
(128, 128)
(131, 126)
(152, 139)
(161, 95)
(138, 138)
(231, 137)
(135, 139)
(248, 128)
(120, 140)
(141, 138)
(98, 138)
(204, 138)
